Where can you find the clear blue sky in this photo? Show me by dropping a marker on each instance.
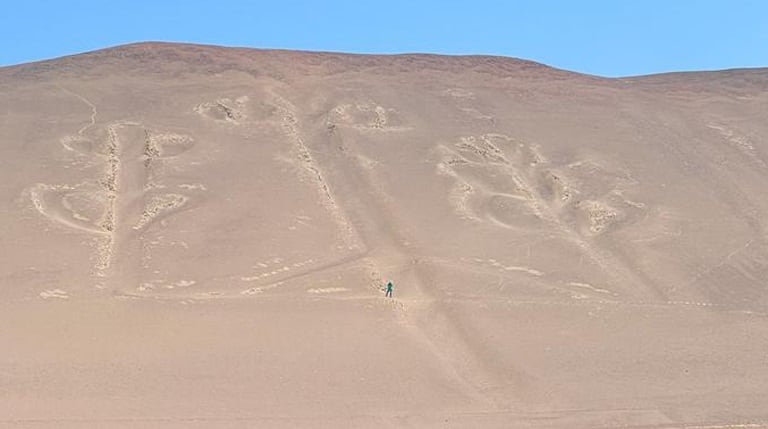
(608, 38)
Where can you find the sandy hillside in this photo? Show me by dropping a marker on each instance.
(198, 237)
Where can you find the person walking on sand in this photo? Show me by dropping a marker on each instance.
(390, 287)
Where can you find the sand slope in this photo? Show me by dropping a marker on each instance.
(198, 237)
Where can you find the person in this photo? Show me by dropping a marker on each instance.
(390, 286)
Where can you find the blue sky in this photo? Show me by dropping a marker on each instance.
(608, 38)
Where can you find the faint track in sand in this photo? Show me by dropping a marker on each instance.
(419, 303)
(94, 112)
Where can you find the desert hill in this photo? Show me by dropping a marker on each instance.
(197, 236)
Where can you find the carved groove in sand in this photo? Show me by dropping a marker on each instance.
(464, 100)
(275, 111)
(310, 169)
(224, 110)
(510, 184)
(742, 143)
(513, 185)
(132, 158)
(367, 116)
